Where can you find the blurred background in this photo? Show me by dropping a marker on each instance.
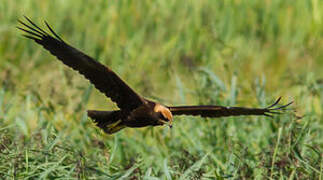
(232, 53)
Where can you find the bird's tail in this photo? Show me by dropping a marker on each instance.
(109, 121)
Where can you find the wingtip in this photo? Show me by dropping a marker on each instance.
(273, 109)
(52, 31)
(26, 18)
(268, 115)
(31, 37)
(275, 103)
(284, 106)
(29, 20)
(19, 21)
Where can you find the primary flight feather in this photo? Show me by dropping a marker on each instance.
(135, 110)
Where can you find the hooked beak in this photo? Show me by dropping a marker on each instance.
(170, 122)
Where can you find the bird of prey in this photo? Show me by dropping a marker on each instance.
(134, 110)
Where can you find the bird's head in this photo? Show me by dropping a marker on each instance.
(164, 115)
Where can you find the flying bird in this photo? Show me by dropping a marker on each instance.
(134, 110)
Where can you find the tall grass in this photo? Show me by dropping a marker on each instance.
(232, 52)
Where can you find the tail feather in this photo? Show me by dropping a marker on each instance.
(109, 121)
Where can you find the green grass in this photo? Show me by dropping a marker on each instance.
(241, 53)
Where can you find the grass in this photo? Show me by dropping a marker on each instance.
(241, 53)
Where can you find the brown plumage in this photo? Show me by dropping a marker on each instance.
(135, 111)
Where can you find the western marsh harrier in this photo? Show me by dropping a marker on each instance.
(135, 110)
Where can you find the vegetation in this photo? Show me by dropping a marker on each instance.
(237, 53)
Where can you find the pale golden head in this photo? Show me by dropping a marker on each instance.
(165, 114)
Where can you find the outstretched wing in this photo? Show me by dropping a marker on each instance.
(103, 78)
(222, 111)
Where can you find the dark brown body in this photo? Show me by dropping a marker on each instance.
(142, 116)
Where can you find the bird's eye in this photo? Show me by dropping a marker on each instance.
(161, 116)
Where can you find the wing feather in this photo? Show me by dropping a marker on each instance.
(103, 78)
(222, 111)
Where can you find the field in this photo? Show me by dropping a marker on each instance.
(231, 53)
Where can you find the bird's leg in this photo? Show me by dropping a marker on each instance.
(113, 125)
